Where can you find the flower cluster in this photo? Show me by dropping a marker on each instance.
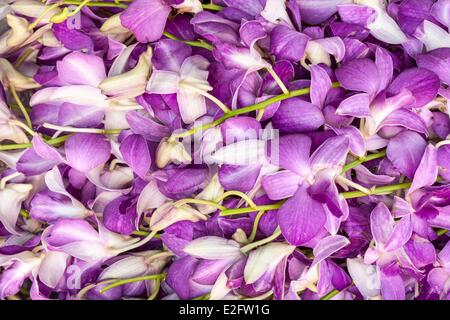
(232, 149)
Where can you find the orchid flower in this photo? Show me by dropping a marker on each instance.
(385, 103)
(308, 182)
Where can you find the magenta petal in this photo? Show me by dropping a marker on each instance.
(81, 68)
(359, 75)
(294, 153)
(241, 178)
(427, 171)
(385, 67)
(406, 119)
(332, 152)
(320, 85)
(400, 234)
(45, 151)
(72, 38)
(381, 223)
(169, 55)
(301, 218)
(240, 128)
(441, 11)
(136, 154)
(356, 141)
(67, 231)
(288, 44)
(392, 286)
(356, 14)
(86, 151)
(317, 11)
(146, 127)
(437, 61)
(80, 116)
(289, 119)
(251, 31)
(420, 251)
(328, 246)
(139, 13)
(281, 185)
(405, 151)
(356, 106)
(120, 215)
(422, 83)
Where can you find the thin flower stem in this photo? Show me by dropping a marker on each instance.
(122, 282)
(32, 25)
(29, 145)
(266, 207)
(81, 130)
(349, 183)
(441, 232)
(377, 191)
(239, 194)
(252, 236)
(442, 143)
(83, 291)
(22, 126)
(5, 180)
(21, 106)
(199, 201)
(212, 7)
(200, 44)
(98, 4)
(369, 157)
(254, 107)
(261, 242)
(155, 290)
(330, 295)
(277, 80)
(347, 195)
(219, 103)
(23, 57)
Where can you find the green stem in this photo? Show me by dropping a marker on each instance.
(369, 157)
(29, 145)
(200, 44)
(21, 106)
(441, 232)
(97, 4)
(347, 195)
(266, 207)
(212, 7)
(122, 282)
(377, 191)
(252, 236)
(330, 295)
(258, 106)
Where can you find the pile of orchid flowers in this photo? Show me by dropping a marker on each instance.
(234, 149)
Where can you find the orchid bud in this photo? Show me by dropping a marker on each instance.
(171, 151)
(240, 236)
(8, 130)
(213, 248)
(11, 198)
(169, 214)
(9, 76)
(34, 9)
(316, 54)
(113, 28)
(365, 277)
(265, 259)
(132, 83)
(212, 191)
(189, 6)
(19, 28)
